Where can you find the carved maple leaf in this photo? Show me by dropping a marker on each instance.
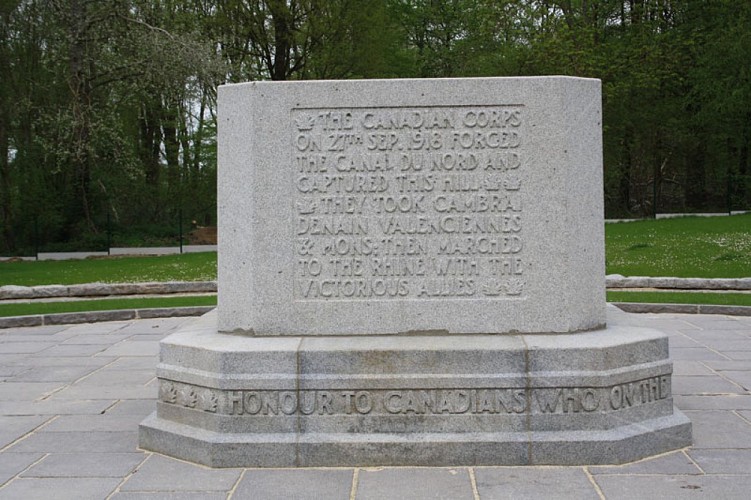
(168, 392)
(492, 289)
(188, 397)
(512, 183)
(514, 286)
(305, 122)
(208, 401)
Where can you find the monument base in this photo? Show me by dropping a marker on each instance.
(598, 397)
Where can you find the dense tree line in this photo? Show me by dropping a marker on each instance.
(108, 107)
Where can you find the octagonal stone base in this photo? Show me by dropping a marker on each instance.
(599, 397)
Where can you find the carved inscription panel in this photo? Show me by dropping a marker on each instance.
(409, 203)
(519, 400)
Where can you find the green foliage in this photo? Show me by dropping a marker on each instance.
(690, 247)
(33, 308)
(185, 267)
(108, 108)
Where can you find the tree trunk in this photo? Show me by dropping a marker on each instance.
(80, 87)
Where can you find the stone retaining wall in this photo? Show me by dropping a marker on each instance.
(618, 281)
(11, 292)
(99, 316)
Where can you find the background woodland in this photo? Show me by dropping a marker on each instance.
(108, 107)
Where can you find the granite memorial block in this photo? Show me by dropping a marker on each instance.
(356, 208)
(411, 272)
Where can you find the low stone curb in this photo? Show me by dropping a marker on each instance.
(617, 281)
(12, 292)
(9, 292)
(99, 316)
(637, 307)
(172, 312)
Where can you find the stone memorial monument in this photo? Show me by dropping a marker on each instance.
(411, 272)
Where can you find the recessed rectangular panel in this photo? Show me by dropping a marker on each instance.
(396, 203)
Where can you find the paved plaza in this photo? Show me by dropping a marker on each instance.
(71, 398)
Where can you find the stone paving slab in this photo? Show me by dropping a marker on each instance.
(417, 483)
(85, 465)
(62, 488)
(71, 398)
(300, 484)
(535, 482)
(671, 463)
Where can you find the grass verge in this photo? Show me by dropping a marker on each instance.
(725, 299)
(185, 267)
(30, 308)
(687, 247)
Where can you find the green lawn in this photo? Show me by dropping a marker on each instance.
(185, 267)
(692, 247)
(689, 247)
(26, 309)
(726, 299)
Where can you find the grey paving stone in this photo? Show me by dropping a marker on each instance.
(680, 340)
(691, 368)
(79, 442)
(729, 365)
(67, 374)
(729, 345)
(8, 370)
(132, 348)
(54, 407)
(723, 461)
(300, 484)
(704, 385)
(13, 463)
(35, 361)
(71, 350)
(695, 354)
(27, 391)
(675, 487)
(719, 429)
(165, 495)
(24, 347)
(672, 463)
(534, 482)
(153, 326)
(160, 473)
(433, 483)
(738, 355)
(149, 338)
(86, 465)
(95, 423)
(91, 391)
(36, 330)
(103, 327)
(137, 407)
(135, 363)
(107, 376)
(743, 378)
(14, 427)
(730, 402)
(95, 339)
(714, 322)
(708, 335)
(80, 488)
(57, 337)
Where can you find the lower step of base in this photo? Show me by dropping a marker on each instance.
(614, 446)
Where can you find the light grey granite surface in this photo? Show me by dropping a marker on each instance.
(456, 206)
